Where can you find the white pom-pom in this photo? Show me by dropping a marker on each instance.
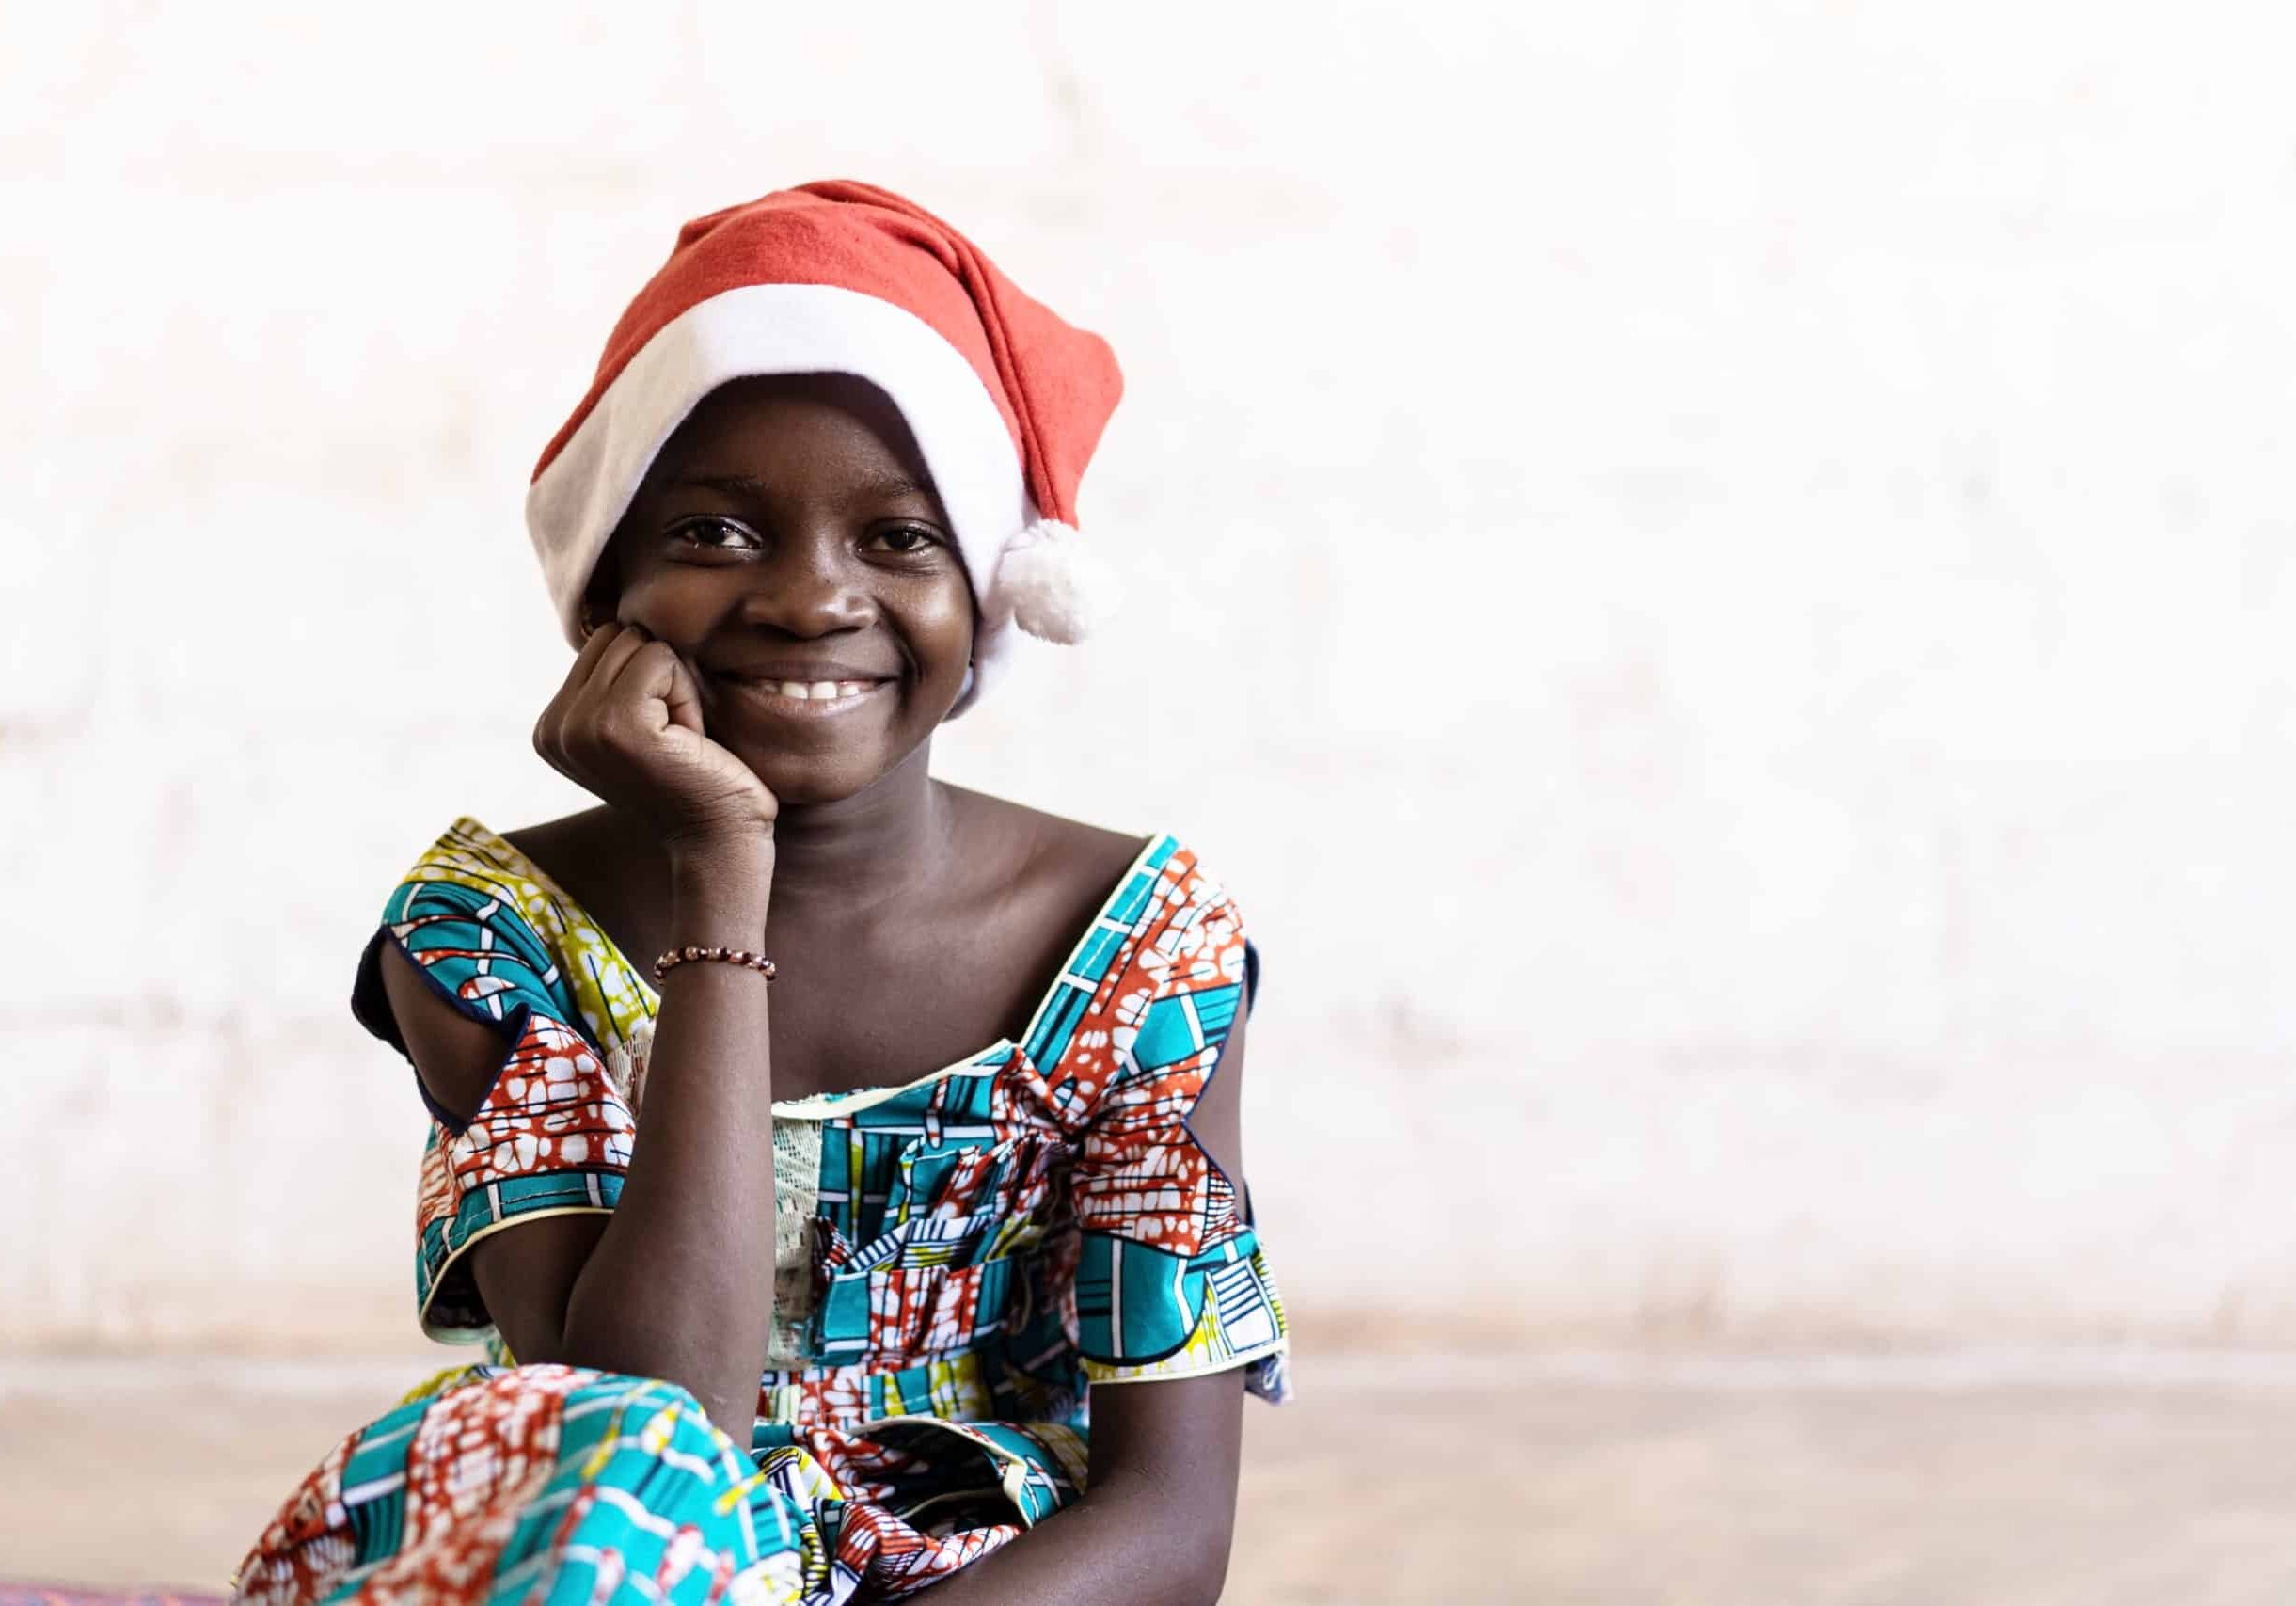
(1051, 586)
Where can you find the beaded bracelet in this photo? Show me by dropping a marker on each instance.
(675, 957)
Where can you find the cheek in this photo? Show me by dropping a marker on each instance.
(941, 624)
(669, 600)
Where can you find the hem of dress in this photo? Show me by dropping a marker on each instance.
(439, 1333)
(1227, 1363)
(510, 1027)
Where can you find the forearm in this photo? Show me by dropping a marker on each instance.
(1125, 1542)
(680, 1285)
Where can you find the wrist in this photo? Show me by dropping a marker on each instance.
(720, 893)
(723, 857)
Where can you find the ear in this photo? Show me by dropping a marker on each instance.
(601, 596)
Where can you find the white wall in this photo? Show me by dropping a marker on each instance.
(1749, 549)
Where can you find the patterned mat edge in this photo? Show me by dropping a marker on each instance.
(17, 1592)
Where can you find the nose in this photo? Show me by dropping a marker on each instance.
(808, 586)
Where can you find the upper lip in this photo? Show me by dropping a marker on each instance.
(785, 672)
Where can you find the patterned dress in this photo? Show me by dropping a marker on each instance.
(956, 1261)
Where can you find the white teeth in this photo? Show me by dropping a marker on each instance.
(820, 690)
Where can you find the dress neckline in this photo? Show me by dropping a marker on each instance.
(848, 1100)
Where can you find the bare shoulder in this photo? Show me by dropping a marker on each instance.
(568, 841)
(1022, 847)
(592, 855)
(1036, 879)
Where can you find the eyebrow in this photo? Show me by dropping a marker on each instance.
(884, 487)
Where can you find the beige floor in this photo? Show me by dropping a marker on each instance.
(1569, 1481)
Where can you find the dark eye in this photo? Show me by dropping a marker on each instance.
(906, 538)
(719, 535)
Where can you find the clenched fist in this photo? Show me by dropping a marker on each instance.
(626, 726)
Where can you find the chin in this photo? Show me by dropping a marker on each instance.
(800, 782)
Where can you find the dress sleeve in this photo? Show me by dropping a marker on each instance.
(553, 1133)
(1171, 1281)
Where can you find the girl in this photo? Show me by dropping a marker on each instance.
(774, 1310)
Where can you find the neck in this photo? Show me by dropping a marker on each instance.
(863, 850)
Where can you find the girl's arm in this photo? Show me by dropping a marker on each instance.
(678, 1281)
(1155, 1522)
(1154, 1527)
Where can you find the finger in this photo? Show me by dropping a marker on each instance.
(594, 647)
(579, 671)
(647, 676)
(630, 641)
(551, 735)
(684, 697)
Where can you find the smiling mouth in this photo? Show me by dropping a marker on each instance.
(807, 699)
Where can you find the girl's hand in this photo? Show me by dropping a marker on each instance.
(626, 724)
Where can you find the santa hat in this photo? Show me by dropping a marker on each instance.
(1006, 400)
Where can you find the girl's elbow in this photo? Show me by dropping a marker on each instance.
(716, 1382)
(1206, 1592)
(1200, 1549)
(1213, 1574)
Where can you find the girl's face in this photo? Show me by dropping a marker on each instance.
(789, 544)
